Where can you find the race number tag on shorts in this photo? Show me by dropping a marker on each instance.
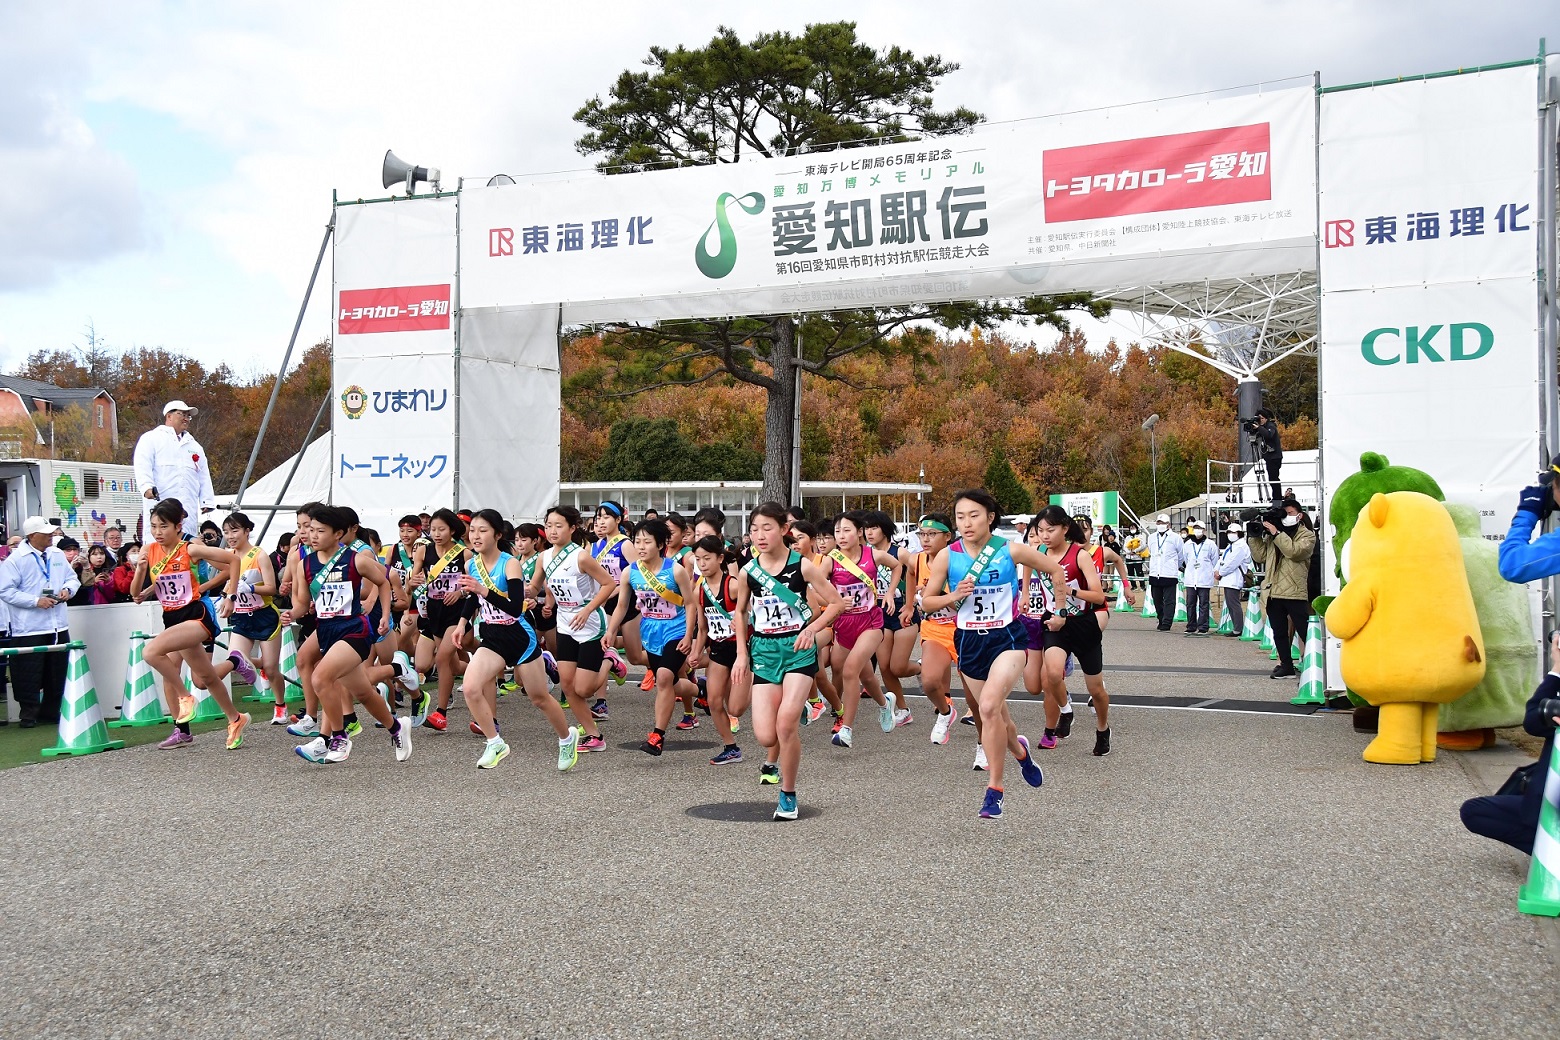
(653, 606)
(772, 616)
(174, 589)
(334, 600)
(719, 625)
(858, 598)
(989, 606)
(491, 615)
(884, 578)
(246, 603)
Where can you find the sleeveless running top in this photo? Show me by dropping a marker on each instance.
(994, 603)
(175, 579)
(489, 614)
(858, 595)
(609, 553)
(571, 590)
(1069, 604)
(923, 570)
(773, 616)
(662, 621)
(340, 589)
(442, 584)
(718, 621)
(249, 602)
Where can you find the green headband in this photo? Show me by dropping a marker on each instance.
(935, 525)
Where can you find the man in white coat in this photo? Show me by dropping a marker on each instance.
(1234, 565)
(1164, 568)
(170, 463)
(1202, 559)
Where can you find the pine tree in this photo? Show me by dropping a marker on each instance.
(1003, 484)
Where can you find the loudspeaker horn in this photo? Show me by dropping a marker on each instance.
(398, 171)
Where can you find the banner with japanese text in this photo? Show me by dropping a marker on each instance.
(1202, 187)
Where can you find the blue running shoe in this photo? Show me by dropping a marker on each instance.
(786, 809)
(551, 666)
(730, 753)
(1032, 775)
(991, 808)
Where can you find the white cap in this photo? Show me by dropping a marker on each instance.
(1162, 518)
(37, 525)
(1197, 525)
(179, 406)
(1233, 529)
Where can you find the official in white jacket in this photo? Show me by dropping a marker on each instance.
(170, 463)
(1202, 558)
(36, 581)
(1164, 568)
(1234, 565)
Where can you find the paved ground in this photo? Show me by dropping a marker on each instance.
(1221, 874)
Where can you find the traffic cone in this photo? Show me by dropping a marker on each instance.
(1123, 602)
(1252, 631)
(82, 730)
(1226, 623)
(290, 679)
(1541, 894)
(1267, 639)
(1313, 676)
(206, 709)
(1180, 601)
(142, 706)
(262, 687)
(1148, 610)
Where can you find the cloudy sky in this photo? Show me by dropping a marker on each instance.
(170, 165)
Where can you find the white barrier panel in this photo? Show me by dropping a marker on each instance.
(106, 631)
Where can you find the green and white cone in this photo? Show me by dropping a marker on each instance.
(1148, 610)
(206, 709)
(1226, 624)
(142, 706)
(82, 729)
(290, 663)
(1541, 894)
(1313, 675)
(1123, 604)
(1267, 640)
(1180, 601)
(1253, 627)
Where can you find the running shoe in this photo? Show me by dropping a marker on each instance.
(598, 711)
(563, 700)
(304, 727)
(648, 682)
(551, 666)
(384, 691)
(902, 717)
(1101, 743)
(279, 715)
(337, 749)
(1068, 669)
(313, 751)
(980, 759)
(728, 754)
(178, 738)
(436, 720)
(476, 730)
(569, 750)
(421, 702)
(235, 730)
(653, 744)
(942, 728)
(401, 739)
(1047, 741)
(701, 703)
(494, 752)
(405, 674)
(688, 722)
(736, 723)
(242, 668)
(186, 708)
(786, 808)
(968, 720)
(813, 710)
(841, 737)
(768, 773)
(619, 666)
(1030, 768)
(1064, 725)
(354, 728)
(991, 806)
(507, 687)
(592, 742)
(886, 712)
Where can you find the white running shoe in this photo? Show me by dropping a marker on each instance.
(886, 712)
(313, 751)
(405, 674)
(493, 753)
(305, 727)
(569, 750)
(980, 760)
(942, 728)
(401, 739)
(384, 691)
(337, 749)
(842, 738)
(902, 717)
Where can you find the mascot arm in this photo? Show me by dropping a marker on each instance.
(1348, 613)
(1524, 560)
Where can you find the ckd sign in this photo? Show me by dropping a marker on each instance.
(1464, 341)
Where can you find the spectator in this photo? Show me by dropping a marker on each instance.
(1234, 565)
(1164, 569)
(5, 662)
(1134, 555)
(1513, 817)
(279, 565)
(114, 540)
(36, 582)
(96, 571)
(170, 463)
(1201, 560)
(124, 570)
(1285, 551)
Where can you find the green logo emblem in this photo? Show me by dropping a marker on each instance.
(718, 264)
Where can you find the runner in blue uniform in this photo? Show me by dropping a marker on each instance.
(661, 590)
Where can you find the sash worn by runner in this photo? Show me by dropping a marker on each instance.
(987, 554)
(318, 581)
(782, 592)
(671, 596)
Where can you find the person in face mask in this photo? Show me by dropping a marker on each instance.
(1165, 561)
(129, 557)
(1201, 557)
(1234, 565)
(1285, 549)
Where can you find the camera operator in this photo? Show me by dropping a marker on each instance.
(1512, 815)
(1284, 541)
(1522, 557)
(1264, 435)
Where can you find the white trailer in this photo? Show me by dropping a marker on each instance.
(85, 498)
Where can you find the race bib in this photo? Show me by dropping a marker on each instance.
(884, 580)
(773, 616)
(1036, 605)
(334, 600)
(858, 598)
(247, 603)
(175, 589)
(491, 615)
(569, 593)
(988, 607)
(441, 585)
(719, 625)
(653, 606)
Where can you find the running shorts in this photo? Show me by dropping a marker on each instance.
(848, 628)
(979, 648)
(668, 657)
(891, 617)
(1034, 628)
(941, 633)
(724, 653)
(514, 644)
(196, 610)
(541, 622)
(588, 655)
(633, 607)
(306, 626)
(775, 657)
(438, 619)
(354, 631)
(1080, 636)
(261, 626)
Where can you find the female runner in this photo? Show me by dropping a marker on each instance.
(433, 581)
(990, 640)
(257, 627)
(938, 655)
(167, 571)
(780, 656)
(721, 629)
(804, 536)
(577, 587)
(893, 654)
(661, 589)
(402, 559)
(1071, 623)
(613, 551)
(859, 630)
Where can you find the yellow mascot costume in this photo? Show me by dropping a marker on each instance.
(1411, 639)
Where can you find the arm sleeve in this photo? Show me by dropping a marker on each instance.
(1523, 559)
(1535, 721)
(513, 606)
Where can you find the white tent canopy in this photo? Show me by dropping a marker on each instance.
(310, 484)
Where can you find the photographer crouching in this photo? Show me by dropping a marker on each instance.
(1263, 431)
(1283, 540)
(1511, 815)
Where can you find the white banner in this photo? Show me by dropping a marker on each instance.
(1194, 188)
(1430, 351)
